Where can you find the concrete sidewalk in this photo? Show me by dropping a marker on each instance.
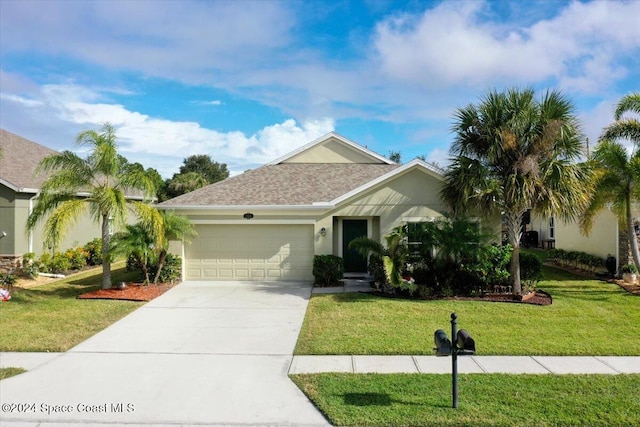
(360, 364)
(468, 364)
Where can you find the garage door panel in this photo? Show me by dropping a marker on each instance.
(251, 252)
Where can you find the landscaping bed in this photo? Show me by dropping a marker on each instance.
(132, 292)
(536, 298)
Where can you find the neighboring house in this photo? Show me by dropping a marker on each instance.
(19, 187)
(268, 223)
(605, 238)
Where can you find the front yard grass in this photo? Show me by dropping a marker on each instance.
(10, 372)
(587, 317)
(484, 399)
(50, 318)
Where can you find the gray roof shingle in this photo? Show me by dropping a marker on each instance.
(285, 184)
(19, 160)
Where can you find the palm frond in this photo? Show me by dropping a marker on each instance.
(630, 102)
(61, 218)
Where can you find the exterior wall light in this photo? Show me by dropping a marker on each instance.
(248, 215)
(323, 231)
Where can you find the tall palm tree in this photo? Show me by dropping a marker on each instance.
(513, 152)
(625, 127)
(617, 171)
(97, 185)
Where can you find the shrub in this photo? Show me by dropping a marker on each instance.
(376, 269)
(7, 279)
(491, 266)
(30, 266)
(530, 270)
(44, 263)
(328, 270)
(171, 272)
(93, 251)
(59, 263)
(77, 258)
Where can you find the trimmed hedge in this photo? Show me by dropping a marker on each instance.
(328, 270)
(576, 259)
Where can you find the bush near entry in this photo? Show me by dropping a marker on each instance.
(328, 270)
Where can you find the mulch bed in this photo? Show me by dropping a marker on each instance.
(632, 288)
(132, 292)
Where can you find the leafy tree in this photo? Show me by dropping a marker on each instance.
(618, 171)
(513, 152)
(102, 181)
(158, 182)
(203, 165)
(395, 156)
(185, 183)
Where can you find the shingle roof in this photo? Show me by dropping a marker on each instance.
(285, 184)
(19, 160)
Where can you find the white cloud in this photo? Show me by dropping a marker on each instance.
(455, 43)
(146, 139)
(215, 102)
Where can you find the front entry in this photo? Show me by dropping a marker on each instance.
(354, 262)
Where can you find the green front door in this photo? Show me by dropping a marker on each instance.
(354, 262)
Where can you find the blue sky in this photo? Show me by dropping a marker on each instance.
(247, 82)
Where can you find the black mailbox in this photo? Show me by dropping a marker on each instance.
(442, 342)
(465, 343)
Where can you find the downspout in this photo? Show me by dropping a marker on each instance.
(30, 232)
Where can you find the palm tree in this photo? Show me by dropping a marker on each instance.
(134, 241)
(626, 128)
(393, 256)
(175, 227)
(617, 172)
(512, 153)
(96, 185)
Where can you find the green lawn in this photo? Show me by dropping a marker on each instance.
(587, 317)
(50, 318)
(10, 372)
(483, 399)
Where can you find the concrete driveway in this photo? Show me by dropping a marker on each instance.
(211, 353)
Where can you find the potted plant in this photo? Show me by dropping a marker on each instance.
(629, 273)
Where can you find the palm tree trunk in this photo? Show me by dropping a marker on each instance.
(514, 221)
(161, 259)
(106, 261)
(633, 239)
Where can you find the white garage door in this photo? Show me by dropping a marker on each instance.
(251, 252)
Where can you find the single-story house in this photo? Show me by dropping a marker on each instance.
(19, 187)
(605, 238)
(268, 223)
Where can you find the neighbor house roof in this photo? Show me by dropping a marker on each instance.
(284, 184)
(18, 162)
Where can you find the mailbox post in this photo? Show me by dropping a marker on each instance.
(454, 360)
(461, 344)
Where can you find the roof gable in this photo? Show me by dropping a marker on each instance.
(332, 148)
(414, 165)
(19, 160)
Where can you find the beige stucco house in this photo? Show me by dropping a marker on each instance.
(268, 223)
(605, 238)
